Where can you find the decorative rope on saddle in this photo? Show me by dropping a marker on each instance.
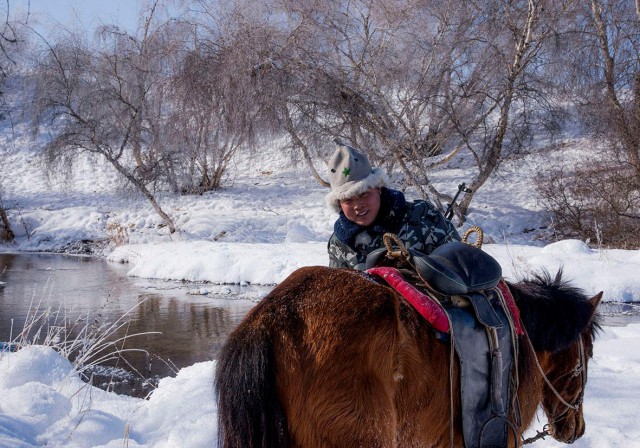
(479, 239)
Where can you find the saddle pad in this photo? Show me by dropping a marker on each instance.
(428, 307)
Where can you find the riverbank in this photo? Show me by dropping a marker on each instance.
(612, 271)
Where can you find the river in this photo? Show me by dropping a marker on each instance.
(177, 323)
(184, 322)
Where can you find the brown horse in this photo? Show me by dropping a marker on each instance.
(332, 359)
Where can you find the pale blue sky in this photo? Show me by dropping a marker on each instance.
(88, 13)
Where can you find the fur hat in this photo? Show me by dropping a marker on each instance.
(350, 174)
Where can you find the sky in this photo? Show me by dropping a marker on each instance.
(47, 16)
(89, 13)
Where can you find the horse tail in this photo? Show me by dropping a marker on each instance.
(249, 411)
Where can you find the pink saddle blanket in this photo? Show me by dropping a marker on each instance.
(429, 307)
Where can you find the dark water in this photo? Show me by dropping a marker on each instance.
(191, 327)
(619, 313)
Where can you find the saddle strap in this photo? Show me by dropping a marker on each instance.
(484, 311)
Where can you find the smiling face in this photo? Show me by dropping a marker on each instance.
(362, 209)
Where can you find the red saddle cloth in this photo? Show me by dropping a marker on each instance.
(429, 307)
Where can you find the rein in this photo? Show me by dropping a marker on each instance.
(579, 369)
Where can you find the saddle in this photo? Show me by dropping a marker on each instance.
(463, 295)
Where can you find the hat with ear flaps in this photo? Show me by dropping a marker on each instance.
(350, 174)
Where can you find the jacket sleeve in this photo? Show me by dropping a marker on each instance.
(435, 229)
(336, 255)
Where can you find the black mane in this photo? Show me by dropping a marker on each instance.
(554, 312)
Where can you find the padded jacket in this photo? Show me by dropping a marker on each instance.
(418, 224)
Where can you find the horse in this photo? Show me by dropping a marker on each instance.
(331, 358)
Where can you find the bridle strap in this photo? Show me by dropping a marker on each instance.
(575, 406)
(579, 369)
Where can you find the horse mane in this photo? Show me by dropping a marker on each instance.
(551, 302)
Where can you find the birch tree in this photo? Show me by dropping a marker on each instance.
(102, 100)
(598, 199)
(414, 85)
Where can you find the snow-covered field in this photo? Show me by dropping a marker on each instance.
(269, 220)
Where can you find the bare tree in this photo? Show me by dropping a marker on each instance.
(8, 42)
(6, 234)
(214, 116)
(530, 24)
(8, 46)
(598, 64)
(415, 85)
(102, 100)
(243, 34)
(616, 29)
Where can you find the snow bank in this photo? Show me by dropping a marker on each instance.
(44, 402)
(611, 271)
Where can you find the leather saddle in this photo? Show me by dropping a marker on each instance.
(481, 333)
(452, 269)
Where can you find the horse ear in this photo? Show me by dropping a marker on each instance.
(595, 300)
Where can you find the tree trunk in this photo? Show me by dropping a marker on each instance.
(298, 143)
(493, 154)
(628, 137)
(6, 234)
(146, 193)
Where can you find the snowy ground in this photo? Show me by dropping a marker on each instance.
(270, 219)
(44, 402)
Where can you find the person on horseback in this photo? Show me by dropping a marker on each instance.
(368, 210)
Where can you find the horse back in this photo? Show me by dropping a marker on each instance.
(350, 364)
(336, 337)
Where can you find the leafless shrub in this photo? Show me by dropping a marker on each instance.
(86, 340)
(598, 202)
(117, 233)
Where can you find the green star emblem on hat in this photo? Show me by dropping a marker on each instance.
(346, 172)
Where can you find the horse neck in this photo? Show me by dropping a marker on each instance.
(530, 381)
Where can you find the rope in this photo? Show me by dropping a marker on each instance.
(388, 239)
(546, 431)
(479, 237)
